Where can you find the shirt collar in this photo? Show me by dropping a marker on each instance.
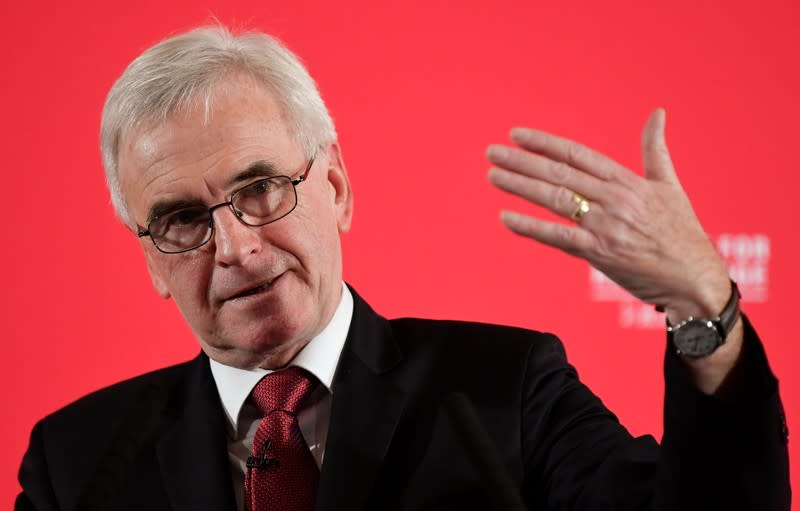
(319, 357)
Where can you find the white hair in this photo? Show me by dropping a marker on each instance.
(180, 72)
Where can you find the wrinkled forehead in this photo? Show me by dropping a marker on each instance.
(236, 91)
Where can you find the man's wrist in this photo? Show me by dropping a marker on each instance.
(706, 302)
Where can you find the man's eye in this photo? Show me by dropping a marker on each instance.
(260, 187)
(187, 217)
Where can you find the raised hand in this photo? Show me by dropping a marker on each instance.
(640, 231)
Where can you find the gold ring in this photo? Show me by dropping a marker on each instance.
(581, 207)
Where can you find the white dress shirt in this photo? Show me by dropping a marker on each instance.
(319, 357)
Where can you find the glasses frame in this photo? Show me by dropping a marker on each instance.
(236, 213)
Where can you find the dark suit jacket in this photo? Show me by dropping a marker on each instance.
(158, 441)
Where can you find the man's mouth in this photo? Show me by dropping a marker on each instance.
(254, 290)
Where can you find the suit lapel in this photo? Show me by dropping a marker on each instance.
(192, 453)
(366, 408)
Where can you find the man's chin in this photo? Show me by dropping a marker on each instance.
(271, 351)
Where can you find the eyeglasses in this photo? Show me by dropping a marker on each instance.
(259, 203)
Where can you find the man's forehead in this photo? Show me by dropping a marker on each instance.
(145, 144)
(158, 142)
(233, 117)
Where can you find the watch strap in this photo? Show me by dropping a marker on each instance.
(730, 313)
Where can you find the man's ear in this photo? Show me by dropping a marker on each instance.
(158, 281)
(340, 186)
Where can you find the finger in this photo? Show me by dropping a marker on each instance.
(557, 199)
(655, 154)
(571, 239)
(554, 172)
(572, 153)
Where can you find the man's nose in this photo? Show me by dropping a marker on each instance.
(234, 240)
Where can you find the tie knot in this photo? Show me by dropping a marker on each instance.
(284, 390)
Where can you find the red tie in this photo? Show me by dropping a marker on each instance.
(281, 474)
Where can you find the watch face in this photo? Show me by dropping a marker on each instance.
(696, 338)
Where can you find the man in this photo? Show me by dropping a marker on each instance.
(222, 158)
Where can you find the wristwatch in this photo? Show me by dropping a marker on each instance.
(700, 337)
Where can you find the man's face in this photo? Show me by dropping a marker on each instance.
(254, 296)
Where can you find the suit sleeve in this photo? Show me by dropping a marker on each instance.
(714, 455)
(37, 492)
(721, 454)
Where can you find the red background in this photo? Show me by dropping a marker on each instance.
(417, 90)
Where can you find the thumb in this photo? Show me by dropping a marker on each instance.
(655, 155)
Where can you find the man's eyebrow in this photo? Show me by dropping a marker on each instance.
(161, 208)
(260, 168)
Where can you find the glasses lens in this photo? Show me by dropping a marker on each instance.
(265, 201)
(181, 230)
